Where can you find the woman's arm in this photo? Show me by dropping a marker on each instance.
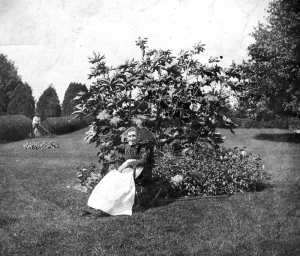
(143, 158)
(125, 164)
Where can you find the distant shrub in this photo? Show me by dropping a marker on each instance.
(238, 121)
(250, 123)
(294, 124)
(278, 123)
(14, 127)
(63, 125)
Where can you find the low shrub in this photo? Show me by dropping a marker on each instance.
(250, 123)
(89, 177)
(40, 145)
(279, 123)
(206, 172)
(209, 172)
(14, 127)
(294, 124)
(63, 125)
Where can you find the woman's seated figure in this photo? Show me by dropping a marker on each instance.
(115, 193)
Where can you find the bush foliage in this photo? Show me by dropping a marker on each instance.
(170, 99)
(63, 125)
(48, 104)
(22, 101)
(208, 171)
(14, 127)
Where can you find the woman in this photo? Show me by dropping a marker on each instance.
(115, 193)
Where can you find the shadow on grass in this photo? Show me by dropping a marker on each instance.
(279, 137)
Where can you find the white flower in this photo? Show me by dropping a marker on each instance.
(176, 180)
(243, 153)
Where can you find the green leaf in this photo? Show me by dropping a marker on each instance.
(103, 115)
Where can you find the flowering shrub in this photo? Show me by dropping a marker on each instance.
(40, 145)
(208, 171)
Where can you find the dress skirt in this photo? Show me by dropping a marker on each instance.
(115, 193)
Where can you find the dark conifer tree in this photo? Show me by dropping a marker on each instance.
(69, 103)
(48, 104)
(22, 101)
(9, 80)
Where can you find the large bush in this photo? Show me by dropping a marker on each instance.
(22, 101)
(48, 104)
(162, 92)
(63, 125)
(69, 103)
(14, 127)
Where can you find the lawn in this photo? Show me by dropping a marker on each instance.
(40, 208)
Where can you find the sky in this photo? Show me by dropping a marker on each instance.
(50, 41)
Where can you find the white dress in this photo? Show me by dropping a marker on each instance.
(115, 193)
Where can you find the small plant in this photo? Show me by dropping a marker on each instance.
(89, 177)
(41, 145)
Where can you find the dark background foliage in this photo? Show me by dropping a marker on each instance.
(9, 80)
(48, 104)
(69, 102)
(22, 101)
(273, 73)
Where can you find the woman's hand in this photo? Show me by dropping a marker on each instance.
(125, 164)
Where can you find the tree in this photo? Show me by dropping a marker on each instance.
(69, 103)
(22, 101)
(9, 80)
(171, 99)
(273, 70)
(48, 104)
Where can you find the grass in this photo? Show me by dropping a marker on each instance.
(40, 208)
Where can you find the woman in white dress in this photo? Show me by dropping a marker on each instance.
(115, 193)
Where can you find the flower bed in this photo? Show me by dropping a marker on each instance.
(40, 145)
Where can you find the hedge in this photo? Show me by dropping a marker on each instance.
(63, 125)
(279, 123)
(14, 127)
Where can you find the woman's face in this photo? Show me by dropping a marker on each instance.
(132, 137)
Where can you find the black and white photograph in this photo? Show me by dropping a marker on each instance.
(150, 127)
